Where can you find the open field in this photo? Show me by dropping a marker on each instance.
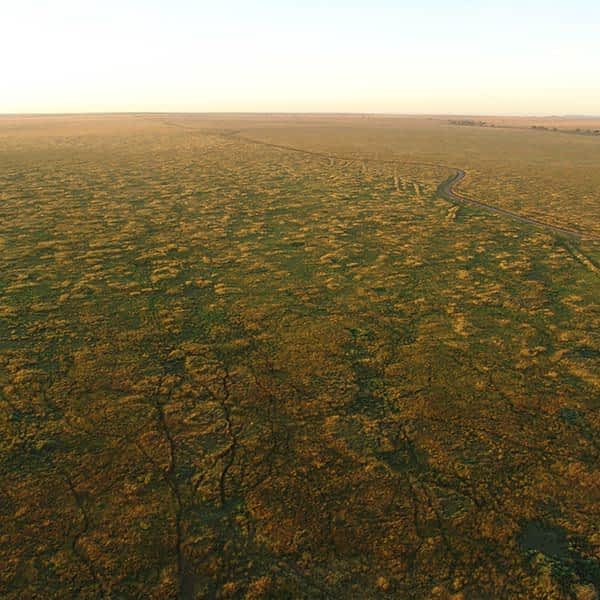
(230, 369)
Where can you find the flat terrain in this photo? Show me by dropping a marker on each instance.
(272, 357)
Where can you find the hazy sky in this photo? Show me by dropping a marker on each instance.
(422, 56)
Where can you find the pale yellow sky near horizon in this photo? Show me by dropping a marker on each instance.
(431, 57)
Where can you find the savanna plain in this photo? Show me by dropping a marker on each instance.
(265, 356)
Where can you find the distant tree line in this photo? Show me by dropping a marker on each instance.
(470, 123)
(577, 131)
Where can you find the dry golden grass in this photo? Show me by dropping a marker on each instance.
(234, 370)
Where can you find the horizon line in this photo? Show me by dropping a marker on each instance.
(299, 113)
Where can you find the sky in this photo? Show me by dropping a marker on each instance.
(499, 57)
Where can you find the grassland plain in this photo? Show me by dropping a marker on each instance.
(230, 370)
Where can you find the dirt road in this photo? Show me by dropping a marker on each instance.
(445, 190)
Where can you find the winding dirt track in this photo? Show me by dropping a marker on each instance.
(445, 189)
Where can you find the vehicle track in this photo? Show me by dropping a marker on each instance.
(445, 190)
